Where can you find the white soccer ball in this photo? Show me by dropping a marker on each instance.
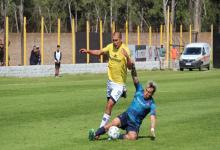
(113, 132)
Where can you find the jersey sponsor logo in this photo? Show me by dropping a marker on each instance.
(115, 59)
(141, 102)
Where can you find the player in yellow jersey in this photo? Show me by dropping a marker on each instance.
(119, 61)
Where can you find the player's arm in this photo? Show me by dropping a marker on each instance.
(92, 52)
(152, 120)
(134, 74)
(129, 61)
(152, 125)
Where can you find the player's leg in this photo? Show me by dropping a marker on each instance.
(58, 70)
(131, 135)
(114, 92)
(115, 95)
(173, 62)
(107, 115)
(115, 122)
(132, 131)
(56, 67)
(55, 70)
(102, 130)
(124, 94)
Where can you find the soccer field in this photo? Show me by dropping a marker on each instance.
(56, 113)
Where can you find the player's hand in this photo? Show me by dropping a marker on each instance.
(153, 135)
(83, 50)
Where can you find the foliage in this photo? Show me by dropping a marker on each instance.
(93, 10)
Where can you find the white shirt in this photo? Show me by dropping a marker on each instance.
(58, 56)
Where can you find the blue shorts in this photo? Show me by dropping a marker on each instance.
(127, 124)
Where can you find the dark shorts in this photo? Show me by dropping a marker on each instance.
(57, 65)
(127, 124)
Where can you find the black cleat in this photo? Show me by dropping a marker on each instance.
(124, 94)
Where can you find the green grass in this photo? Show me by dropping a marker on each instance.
(56, 113)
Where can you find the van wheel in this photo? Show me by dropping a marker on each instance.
(181, 69)
(190, 69)
(200, 66)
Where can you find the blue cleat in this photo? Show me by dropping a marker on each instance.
(91, 135)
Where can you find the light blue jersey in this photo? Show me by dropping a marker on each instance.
(140, 107)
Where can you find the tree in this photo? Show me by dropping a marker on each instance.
(200, 13)
(165, 11)
(197, 15)
(21, 14)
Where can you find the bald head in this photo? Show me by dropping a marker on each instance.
(116, 39)
(117, 34)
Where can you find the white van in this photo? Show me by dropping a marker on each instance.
(195, 56)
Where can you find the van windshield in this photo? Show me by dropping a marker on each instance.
(192, 51)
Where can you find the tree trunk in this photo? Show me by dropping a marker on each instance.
(165, 11)
(97, 18)
(104, 22)
(130, 26)
(191, 11)
(70, 14)
(44, 22)
(142, 16)
(111, 5)
(173, 13)
(21, 14)
(2, 14)
(197, 16)
(16, 19)
(76, 20)
(4, 11)
(127, 10)
(49, 16)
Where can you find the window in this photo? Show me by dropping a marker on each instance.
(192, 51)
(203, 51)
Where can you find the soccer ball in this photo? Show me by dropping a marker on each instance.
(113, 132)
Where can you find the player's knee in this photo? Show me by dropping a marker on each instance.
(107, 126)
(131, 136)
(134, 137)
(116, 122)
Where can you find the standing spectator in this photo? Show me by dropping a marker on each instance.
(2, 54)
(57, 59)
(35, 58)
(162, 53)
(174, 57)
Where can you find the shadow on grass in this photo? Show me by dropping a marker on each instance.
(139, 137)
(149, 137)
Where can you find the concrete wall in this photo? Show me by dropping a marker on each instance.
(48, 70)
(50, 42)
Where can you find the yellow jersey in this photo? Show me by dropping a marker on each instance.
(117, 65)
